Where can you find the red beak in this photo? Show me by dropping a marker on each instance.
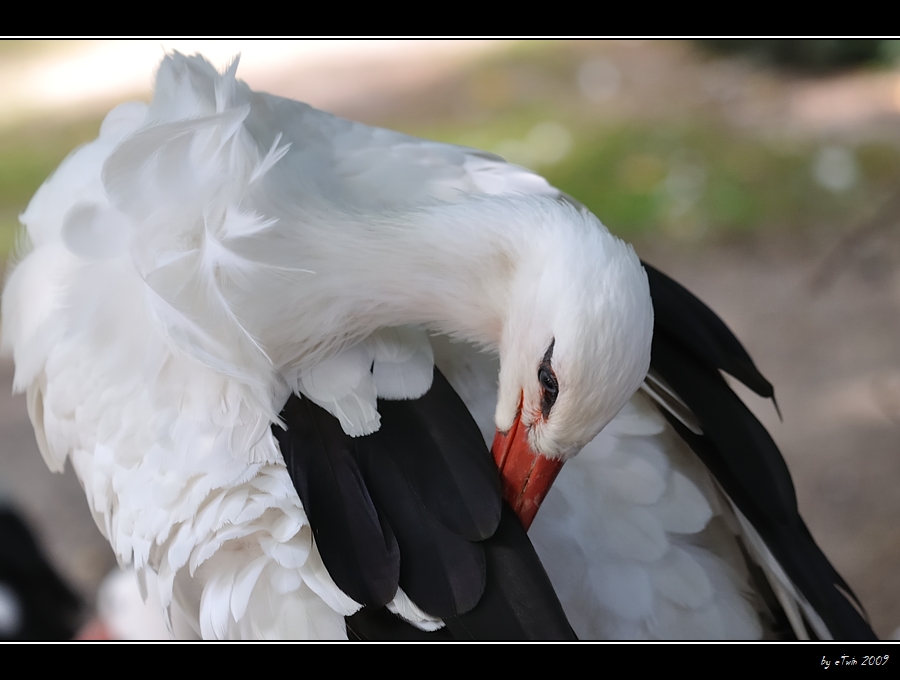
(525, 476)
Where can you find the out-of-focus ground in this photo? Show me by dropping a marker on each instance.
(767, 193)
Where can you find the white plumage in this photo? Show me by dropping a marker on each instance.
(638, 513)
(213, 252)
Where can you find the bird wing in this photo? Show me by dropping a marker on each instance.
(690, 346)
(182, 477)
(182, 474)
(416, 506)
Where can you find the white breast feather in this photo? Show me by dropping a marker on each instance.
(649, 556)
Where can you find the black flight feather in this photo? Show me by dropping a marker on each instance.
(519, 602)
(751, 466)
(441, 572)
(426, 480)
(356, 545)
(439, 449)
(738, 450)
(686, 320)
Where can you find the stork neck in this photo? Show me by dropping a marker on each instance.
(460, 269)
(453, 278)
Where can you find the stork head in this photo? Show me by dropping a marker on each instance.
(575, 347)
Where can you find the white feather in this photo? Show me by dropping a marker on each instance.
(679, 578)
(405, 608)
(682, 509)
(343, 385)
(403, 363)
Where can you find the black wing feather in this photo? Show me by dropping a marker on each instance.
(751, 466)
(738, 450)
(438, 447)
(355, 542)
(442, 572)
(427, 479)
(686, 320)
(519, 601)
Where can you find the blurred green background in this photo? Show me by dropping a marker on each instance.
(692, 141)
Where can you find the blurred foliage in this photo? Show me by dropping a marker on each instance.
(815, 56)
(688, 171)
(652, 138)
(691, 181)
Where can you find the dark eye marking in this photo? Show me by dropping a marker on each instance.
(549, 384)
(548, 380)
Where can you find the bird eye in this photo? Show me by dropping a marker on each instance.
(548, 380)
(550, 388)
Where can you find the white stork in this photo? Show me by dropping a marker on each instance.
(220, 250)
